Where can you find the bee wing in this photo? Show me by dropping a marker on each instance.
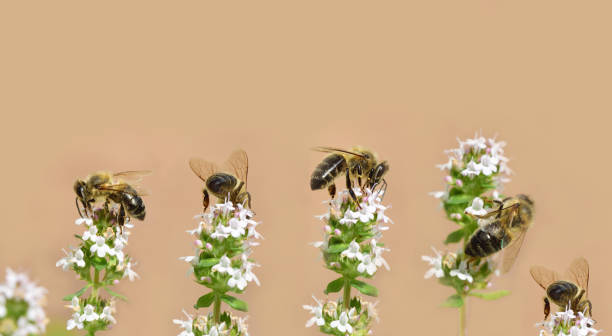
(202, 168)
(543, 276)
(579, 273)
(238, 163)
(133, 176)
(336, 150)
(511, 252)
(125, 188)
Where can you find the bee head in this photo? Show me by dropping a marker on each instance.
(527, 206)
(80, 188)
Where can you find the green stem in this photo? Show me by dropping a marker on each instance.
(347, 293)
(462, 326)
(217, 309)
(96, 284)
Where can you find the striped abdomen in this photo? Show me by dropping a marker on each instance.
(331, 167)
(562, 292)
(134, 205)
(487, 240)
(220, 184)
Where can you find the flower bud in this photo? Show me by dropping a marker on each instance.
(198, 243)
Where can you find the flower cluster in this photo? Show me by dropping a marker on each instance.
(334, 319)
(21, 306)
(224, 239)
(204, 325)
(351, 248)
(476, 171)
(99, 260)
(567, 323)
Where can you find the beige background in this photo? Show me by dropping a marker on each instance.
(146, 84)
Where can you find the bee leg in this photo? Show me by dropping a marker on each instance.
(78, 207)
(121, 218)
(588, 308)
(383, 189)
(349, 186)
(501, 207)
(546, 308)
(332, 190)
(205, 200)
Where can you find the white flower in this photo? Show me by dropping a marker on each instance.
(472, 169)
(575, 325)
(446, 166)
(253, 233)
(74, 322)
(478, 143)
(86, 221)
(236, 227)
(317, 312)
(89, 314)
(71, 258)
(193, 260)
(107, 314)
(488, 165)
(477, 207)
(462, 273)
(237, 279)
(439, 194)
(247, 266)
(100, 247)
(216, 330)
(2, 306)
(74, 304)
(225, 208)
(224, 265)
(197, 231)
(128, 272)
(367, 265)
(187, 325)
(353, 251)
(91, 233)
(436, 263)
(342, 323)
(221, 232)
(378, 259)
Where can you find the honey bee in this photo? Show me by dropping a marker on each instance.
(503, 228)
(357, 164)
(112, 187)
(230, 184)
(572, 291)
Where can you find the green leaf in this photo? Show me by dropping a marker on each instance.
(491, 295)
(337, 248)
(235, 303)
(453, 301)
(117, 295)
(208, 262)
(335, 286)
(78, 293)
(205, 300)
(364, 288)
(454, 237)
(459, 199)
(99, 263)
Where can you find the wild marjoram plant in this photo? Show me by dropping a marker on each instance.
(21, 306)
(352, 249)
(472, 200)
(223, 239)
(101, 262)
